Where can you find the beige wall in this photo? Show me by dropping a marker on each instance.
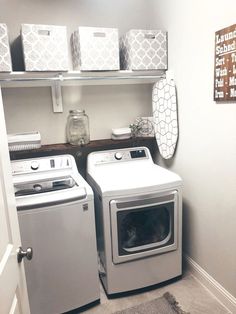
(107, 106)
(206, 155)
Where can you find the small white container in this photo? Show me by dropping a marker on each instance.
(121, 133)
(5, 56)
(143, 50)
(95, 49)
(44, 47)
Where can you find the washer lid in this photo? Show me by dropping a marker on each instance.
(44, 186)
(53, 198)
(127, 179)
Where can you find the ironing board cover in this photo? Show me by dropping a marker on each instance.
(165, 117)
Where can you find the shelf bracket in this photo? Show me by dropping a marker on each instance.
(169, 75)
(57, 96)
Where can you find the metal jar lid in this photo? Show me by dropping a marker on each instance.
(76, 111)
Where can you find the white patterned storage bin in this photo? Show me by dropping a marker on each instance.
(143, 50)
(95, 49)
(5, 56)
(44, 47)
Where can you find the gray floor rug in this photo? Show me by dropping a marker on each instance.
(166, 304)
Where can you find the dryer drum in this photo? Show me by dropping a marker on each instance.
(144, 226)
(138, 228)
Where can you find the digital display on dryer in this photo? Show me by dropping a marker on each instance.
(138, 153)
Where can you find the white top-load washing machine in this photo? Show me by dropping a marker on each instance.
(56, 216)
(138, 209)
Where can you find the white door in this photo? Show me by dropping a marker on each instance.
(13, 291)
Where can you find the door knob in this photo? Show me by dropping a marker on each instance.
(21, 254)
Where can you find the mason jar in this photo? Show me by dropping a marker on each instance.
(77, 128)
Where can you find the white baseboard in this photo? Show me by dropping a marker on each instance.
(227, 299)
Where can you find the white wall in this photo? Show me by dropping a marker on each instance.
(206, 154)
(107, 106)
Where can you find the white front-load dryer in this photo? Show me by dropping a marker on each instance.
(138, 208)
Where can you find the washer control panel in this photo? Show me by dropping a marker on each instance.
(121, 155)
(41, 164)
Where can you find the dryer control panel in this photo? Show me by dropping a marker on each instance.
(121, 155)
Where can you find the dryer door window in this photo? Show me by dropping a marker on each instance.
(143, 227)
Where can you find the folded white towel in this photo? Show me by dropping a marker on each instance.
(23, 141)
(121, 133)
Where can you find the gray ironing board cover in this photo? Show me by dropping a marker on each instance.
(165, 117)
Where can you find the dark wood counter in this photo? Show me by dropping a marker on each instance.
(81, 152)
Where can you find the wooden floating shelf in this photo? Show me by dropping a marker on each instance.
(93, 145)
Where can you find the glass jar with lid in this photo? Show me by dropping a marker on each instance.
(77, 128)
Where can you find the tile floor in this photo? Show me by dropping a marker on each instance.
(190, 294)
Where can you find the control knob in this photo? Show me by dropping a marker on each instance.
(118, 156)
(37, 187)
(34, 165)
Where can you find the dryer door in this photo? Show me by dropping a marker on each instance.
(143, 225)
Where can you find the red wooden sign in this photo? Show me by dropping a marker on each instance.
(225, 64)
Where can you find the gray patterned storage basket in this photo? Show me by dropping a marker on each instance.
(5, 56)
(95, 49)
(143, 50)
(45, 47)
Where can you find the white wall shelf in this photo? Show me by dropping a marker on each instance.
(30, 79)
(56, 80)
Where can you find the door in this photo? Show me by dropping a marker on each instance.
(13, 291)
(144, 225)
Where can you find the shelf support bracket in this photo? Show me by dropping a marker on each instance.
(57, 96)
(169, 75)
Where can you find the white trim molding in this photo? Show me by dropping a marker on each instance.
(223, 296)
